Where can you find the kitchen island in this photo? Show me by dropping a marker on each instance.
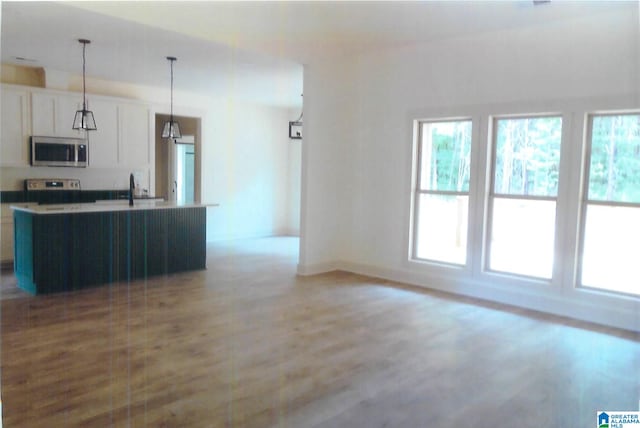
(72, 246)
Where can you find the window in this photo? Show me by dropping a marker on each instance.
(611, 231)
(441, 198)
(523, 195)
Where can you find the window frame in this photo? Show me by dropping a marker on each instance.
(418, 191)
(585, 202)
(491, 194)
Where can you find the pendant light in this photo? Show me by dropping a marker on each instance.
(84, 118)
(171, 128)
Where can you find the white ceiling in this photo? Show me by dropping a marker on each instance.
(256, 48)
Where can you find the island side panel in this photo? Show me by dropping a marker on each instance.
(23, 250)
(148, 243)
(187, 239)
(64, 252)
(52, 256)
(94, 252)
(72, 251)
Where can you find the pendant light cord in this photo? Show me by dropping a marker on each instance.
(172, 60)
(84, 83)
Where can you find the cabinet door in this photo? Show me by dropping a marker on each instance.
(43, 107)
(65, 112)
(14, 137)
(134, 135)
(103, 143)
(53, 114)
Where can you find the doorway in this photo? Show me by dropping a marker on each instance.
(183, 170)
(177, 175)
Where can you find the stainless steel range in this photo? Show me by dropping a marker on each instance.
(53, 190)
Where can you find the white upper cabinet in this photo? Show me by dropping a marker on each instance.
(43, 114)
(123, 135)
(14, 127)
(135, 141)
(52, 114)
(122, 140)
(103, 143)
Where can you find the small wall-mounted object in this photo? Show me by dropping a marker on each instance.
(295, 130)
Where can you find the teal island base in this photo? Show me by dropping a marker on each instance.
(57, 252)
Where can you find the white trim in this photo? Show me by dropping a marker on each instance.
(304, 178)
(417, 190)
(318, 268)
(614, 314)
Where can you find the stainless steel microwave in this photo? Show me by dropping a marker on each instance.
(56, 151)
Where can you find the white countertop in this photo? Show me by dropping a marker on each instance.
(104, 206)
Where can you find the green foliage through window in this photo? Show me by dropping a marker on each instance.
(445, 156)
(614, 171)
(527, 156)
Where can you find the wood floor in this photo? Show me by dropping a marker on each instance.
(247, 343)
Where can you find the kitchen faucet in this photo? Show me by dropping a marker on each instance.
(132, 184)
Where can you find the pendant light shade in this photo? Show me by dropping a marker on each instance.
(84, 118)
(171, 128)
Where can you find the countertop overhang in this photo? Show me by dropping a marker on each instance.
(105, 206)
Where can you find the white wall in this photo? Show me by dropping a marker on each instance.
(586, 58)
(327, 154)
(294, 179)
(521, 70)
(245, 168)
(12, 178)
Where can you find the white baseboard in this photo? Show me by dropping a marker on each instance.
(619, 316)
(317, 268)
